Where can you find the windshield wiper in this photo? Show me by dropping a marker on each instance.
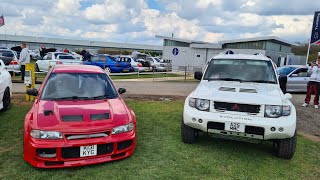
(262, 81)
(71, 98)
(104, 96)
(225, 79)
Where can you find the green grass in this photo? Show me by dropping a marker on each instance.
(161, 154)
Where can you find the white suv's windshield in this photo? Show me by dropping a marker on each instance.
(72, 86)
(241, 70)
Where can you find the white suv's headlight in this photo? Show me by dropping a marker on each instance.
(202, 104)
(122, 129)
(273, 111)
(38, 134)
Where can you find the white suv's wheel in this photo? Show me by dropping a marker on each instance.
(188, 134)
(107, 70)
(285, 148)
(6, 99)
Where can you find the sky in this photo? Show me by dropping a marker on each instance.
(138, 21)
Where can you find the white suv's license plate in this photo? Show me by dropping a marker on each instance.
(88, 151)
(235, 127)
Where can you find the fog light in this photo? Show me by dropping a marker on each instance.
(200, 120)
(280, 129)
(194, 119)
(273, 129)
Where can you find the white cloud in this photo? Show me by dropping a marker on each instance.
(134, 21)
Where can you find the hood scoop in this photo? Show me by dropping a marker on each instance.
(96, 117)
(248, 90)
(72, 118)
(228, 89)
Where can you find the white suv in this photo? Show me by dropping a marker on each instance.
(239, 97)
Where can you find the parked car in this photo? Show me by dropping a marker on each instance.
(296, 77)
(5, 87)
(159, 65)
(53, 58)
(78, 118)
(137, 65)
(7, 56)
(239, 97)
(109, 64)
(35, 54)
(77, 56)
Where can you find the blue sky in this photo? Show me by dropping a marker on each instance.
(138, 21)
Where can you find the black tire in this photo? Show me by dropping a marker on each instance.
(37, 68)
(285, 148)
(188, 134)
(6, 99)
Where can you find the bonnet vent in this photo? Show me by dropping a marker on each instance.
(227, 89)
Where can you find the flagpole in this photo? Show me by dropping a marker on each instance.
(5, 35)
(308, 51)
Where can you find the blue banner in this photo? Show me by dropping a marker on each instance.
(315, 34)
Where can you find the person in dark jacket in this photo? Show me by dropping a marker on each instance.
(42, 51)
(87, 56)
(83, 52)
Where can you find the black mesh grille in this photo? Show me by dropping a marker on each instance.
(216, 125)
(74, 152)
(124, 144)
(254, 130)
(95, 117)
(236, 107)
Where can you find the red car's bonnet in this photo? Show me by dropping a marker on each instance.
(48, 115)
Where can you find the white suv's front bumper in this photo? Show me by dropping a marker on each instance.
(191, 117)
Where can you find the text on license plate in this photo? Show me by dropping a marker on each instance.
(88, 151)
(236, 127)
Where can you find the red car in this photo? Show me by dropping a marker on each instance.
(78, 118)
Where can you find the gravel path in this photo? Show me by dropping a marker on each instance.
(308, 117)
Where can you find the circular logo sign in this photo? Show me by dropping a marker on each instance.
(175, 51)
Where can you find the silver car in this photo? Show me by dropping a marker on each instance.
(297, 77)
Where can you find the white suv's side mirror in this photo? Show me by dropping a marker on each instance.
(288, 96)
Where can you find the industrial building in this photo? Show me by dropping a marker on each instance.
(191, 53)
(71, 44)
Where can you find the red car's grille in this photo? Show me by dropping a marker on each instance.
(74, 152)
(87, 136)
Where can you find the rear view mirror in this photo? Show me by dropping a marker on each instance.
(294, 75)
(198, 75)
(32, 92)
(122, 90)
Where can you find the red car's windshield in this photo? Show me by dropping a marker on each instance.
(82, 86)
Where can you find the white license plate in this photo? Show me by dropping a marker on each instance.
(235, 127)
(88, 151)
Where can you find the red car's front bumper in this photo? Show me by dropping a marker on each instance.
(67, 152)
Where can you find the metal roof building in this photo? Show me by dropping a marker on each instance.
(72, 44)
(191, 53)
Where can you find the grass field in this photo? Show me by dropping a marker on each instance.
(161, 154)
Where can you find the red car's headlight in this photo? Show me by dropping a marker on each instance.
(38, 134)
(123, 129)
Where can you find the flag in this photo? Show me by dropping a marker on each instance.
(315, 33)
(1, 20)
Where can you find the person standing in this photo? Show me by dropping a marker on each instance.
(314, 84)
(83, 52)
(87, 56)
(42, 51)
(66, 50)
(24, 59)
